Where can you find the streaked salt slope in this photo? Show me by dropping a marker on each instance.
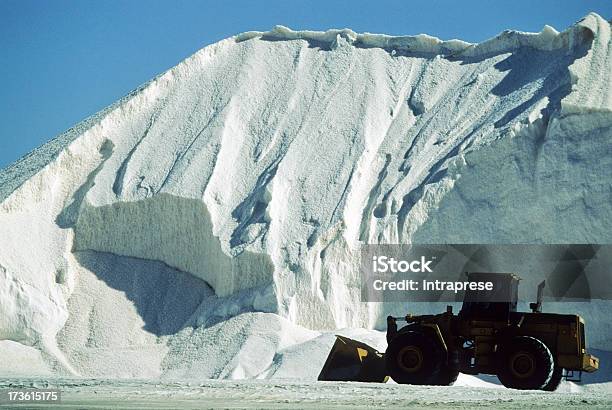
(259, 165)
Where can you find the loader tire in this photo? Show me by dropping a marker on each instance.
(525, 363)
(555, 380)
(446, 377)
(414, 358)
(448, 372)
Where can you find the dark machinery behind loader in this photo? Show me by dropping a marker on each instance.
(525, 350)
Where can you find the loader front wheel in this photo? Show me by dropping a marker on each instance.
(446, 377)
(414, 358)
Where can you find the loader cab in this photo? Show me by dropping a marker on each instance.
(495, 304)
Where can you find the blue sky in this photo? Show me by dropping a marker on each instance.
(61, 61)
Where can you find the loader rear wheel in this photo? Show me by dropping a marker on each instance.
(414, 358)
(525, 363)
(555, 380)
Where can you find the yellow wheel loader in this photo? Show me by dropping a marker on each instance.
(525, 350)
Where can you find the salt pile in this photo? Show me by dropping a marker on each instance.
(207, 224)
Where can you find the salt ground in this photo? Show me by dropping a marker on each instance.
(291, 394)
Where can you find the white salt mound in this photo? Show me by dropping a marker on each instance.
(208, 224)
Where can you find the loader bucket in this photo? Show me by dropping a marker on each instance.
(350, 360)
